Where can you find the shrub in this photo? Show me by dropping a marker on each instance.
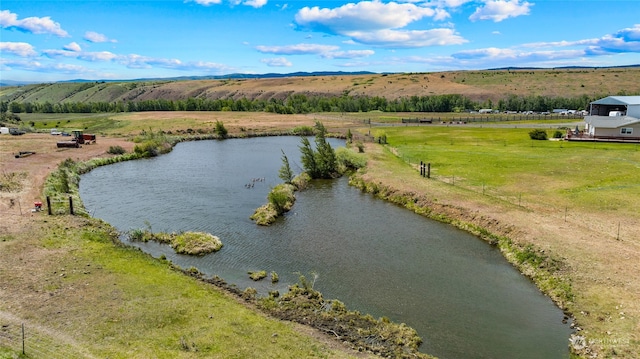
(538, 134)
(349, 160)
(221, 130)
(558, 134)
(301, 181)
(281, 198)
(303, 131)
(116, 150)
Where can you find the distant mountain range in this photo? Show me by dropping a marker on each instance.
(292, 74)
(207, 77)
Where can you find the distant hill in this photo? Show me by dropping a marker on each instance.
(481, 85)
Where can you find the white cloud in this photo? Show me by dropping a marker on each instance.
(97, 56)
(277, 62)
(73, 46)
(449, 3)
(379, 24)
(363, 16)
(351, 54)
(498, 10)
(60, 53)
(92, 36)
(299, 49)
(38, 66)
(135, 61)
(255, 3)
(625, 40)
(408, 39)
(34, 25)
(207, 2)
(21, 49)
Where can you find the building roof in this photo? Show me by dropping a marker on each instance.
(610, 121)
(618, 100)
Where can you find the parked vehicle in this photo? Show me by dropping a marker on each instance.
(15, 131)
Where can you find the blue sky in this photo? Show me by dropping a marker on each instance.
(47, 41)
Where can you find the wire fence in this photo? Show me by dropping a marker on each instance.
(30, 342)
(523, 200)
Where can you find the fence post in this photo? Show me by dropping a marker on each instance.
(49, 204)
(23, 353)
(429, 170)
(70, 205)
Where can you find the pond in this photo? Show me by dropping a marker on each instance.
(464, 299)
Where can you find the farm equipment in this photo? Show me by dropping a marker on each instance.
(78, 138)
(83, 138)
(24, 154)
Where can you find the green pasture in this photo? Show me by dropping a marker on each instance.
(90, 122)
(396, 117)
(109, 123)
(506, 163)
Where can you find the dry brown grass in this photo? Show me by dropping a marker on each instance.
(477, 85)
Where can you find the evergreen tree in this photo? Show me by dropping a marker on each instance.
(308, 158)
(325, 157)
(285, 173)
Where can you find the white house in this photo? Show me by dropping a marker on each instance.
(614, 118)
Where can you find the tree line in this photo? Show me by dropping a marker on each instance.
(301, 103)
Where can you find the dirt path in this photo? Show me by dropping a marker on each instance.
(15, 207)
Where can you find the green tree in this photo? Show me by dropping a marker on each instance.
(285, 173)
(308, 158)
(221, 130)
(325, 155)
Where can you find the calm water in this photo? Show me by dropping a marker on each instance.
(459, 293)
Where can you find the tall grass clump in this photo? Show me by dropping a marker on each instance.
(303, 131)
(151, 144)
(280, 200)
(62, 184)
(349, 160)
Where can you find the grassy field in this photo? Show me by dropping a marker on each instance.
(505, 163)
